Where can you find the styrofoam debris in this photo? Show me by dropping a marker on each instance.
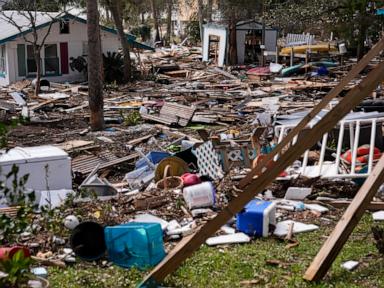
(297, 193)
(172, 225)
(350, 265)
(298, 227)
(228, 230)
(378, 216)
(149, 218)
(316, 207)
(228, 239)
(185, 230)
(40, 271)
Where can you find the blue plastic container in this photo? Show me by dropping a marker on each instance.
(256, 217)
(154, 156)
(135, 244)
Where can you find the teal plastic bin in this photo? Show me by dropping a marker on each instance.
(134, 244)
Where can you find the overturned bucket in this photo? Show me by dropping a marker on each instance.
(87, 241)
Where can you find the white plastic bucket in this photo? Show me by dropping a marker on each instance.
(200, 195)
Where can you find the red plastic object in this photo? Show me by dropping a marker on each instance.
(8, 252)
(361, 152)
(190, 179)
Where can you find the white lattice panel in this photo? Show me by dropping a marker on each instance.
(209, 161)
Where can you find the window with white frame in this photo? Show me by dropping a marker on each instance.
(3, 63)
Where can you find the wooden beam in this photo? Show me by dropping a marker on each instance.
(304, 122)
(185, 249)
(347, 223)
(373, 206)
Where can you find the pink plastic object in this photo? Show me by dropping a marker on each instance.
(190, 179)
(8, 252)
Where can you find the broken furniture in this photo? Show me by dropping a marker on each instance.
(352, 131)
(94, 185)
(216, 157)
(172, 114)
(254, 186)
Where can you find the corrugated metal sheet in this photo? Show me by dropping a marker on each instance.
(84, 164)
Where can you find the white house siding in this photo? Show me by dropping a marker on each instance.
(221, 32)
(4, 78)
(76, 38)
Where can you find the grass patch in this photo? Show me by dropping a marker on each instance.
(229, 266)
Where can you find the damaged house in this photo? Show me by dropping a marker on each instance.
(66, 41)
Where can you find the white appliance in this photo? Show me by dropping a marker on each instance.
(48, 167)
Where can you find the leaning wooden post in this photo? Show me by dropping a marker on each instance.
(311, 115)
(331, 248)
(186, 248)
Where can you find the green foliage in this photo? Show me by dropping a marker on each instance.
(79, 64)
(5, 128)
(349, 20)
(113, 67)
(132, 118)
(36, 5)
(17, 270)
(193, 31)
(142, 31)
(16, 195)
(228, 266)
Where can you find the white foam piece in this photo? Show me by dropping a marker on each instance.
(350, 265)
(228, 230)
(316, 207)
(228, 239)
(149, 218)
(378, 216)
(298, 227)
(297, 193)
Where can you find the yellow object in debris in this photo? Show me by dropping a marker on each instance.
(130, 104)
(313, 48)
(97, 214)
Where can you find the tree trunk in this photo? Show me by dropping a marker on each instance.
(169, 21)
(363, 26)
(155, 19)
(95, 65)
(38, 70)
(209, 11)
(201, 18)
(115, 7)
(232, 43)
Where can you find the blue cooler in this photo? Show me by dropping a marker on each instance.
(256, 217)
(135, 244)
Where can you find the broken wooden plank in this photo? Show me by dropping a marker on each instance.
(330, 120)
(373, 206)
(172, 113)
(312, 114)
(332, 246)
(224, 73)
(72, 145)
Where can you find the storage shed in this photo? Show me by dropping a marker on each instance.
(249, 42)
